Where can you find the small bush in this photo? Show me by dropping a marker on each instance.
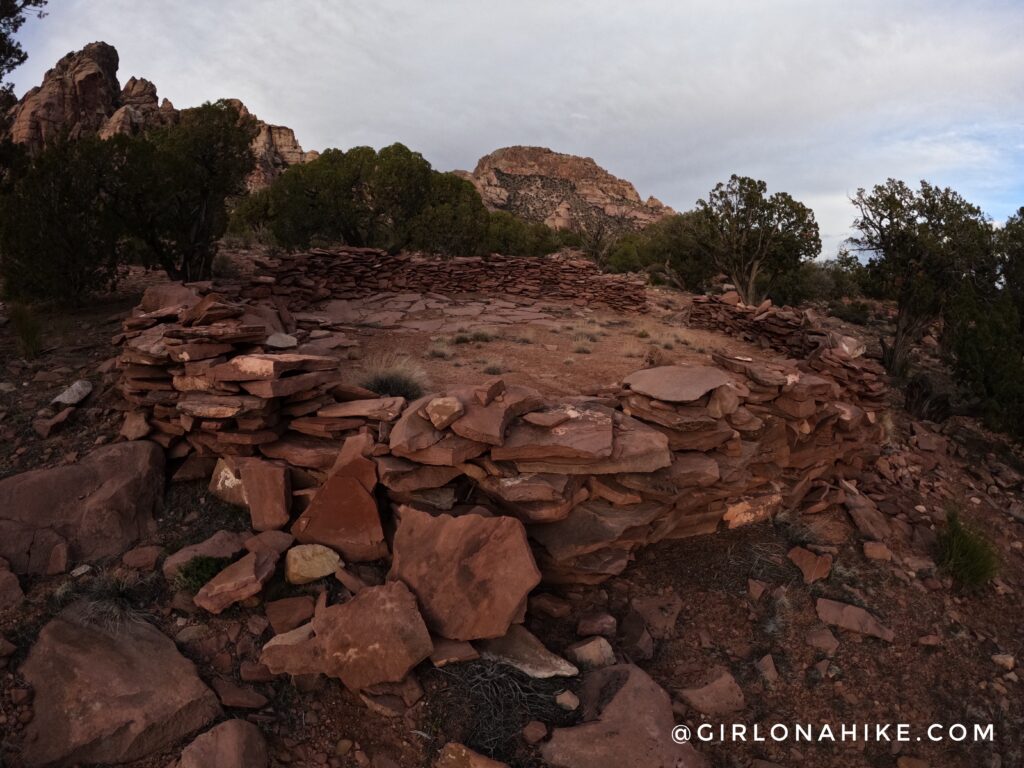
(462, 338)
(493, 369)
(197, 571)
(439, 352)
(481, 336)
(223, 266)
(966, 554)
(27, 329)
(856, 312)
(394, 375)
(581, 349)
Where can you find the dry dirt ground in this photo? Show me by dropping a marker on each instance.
(721, 624)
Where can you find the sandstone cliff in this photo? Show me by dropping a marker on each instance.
(82, 96)
(563, 191)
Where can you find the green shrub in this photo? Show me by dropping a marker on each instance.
(509, 234)
(966, 554)
(390, 199)
(27, 330)
(856, 312)
(668, 250)
(61, 222)
(197, 571)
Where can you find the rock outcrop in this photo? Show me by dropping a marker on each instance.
(77, 95)
(275, 147)
(81, 95)
(562, 191)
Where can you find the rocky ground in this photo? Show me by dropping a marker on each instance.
(736, 627)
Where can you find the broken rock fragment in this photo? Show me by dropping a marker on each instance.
(307, 563)
(231, 744)
(720, 696)
(240, 580)
(343, 514)
(627, 720)
(812, 566)
(376, 637)
(521, 649)
(852, 618)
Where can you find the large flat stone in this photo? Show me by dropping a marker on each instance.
(677, 383)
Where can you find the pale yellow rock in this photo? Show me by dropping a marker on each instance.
(309, 562)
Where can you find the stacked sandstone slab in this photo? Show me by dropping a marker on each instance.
(306, 278)
(206, 377)
(796, 333)
(472, 497)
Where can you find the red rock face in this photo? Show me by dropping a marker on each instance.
(82, 95)
(563, 191)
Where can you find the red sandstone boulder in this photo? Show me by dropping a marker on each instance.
(231, 744)
(471, 574)
(96, 508)
(267, 493)
(109, 694)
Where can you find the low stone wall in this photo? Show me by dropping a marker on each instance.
(302, 279)
(796, 333)
(673, 451)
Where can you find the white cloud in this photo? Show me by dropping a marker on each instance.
(816, 98)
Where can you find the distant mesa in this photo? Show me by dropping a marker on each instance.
(82, 95)
(562, 191)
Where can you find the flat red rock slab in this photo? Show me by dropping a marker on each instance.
(677, 383)
(343, 515)
(587, 433)
(471, 574)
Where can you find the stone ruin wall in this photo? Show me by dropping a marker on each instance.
(300, 280)
(670, 452)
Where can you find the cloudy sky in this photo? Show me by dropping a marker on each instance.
(817, 98)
